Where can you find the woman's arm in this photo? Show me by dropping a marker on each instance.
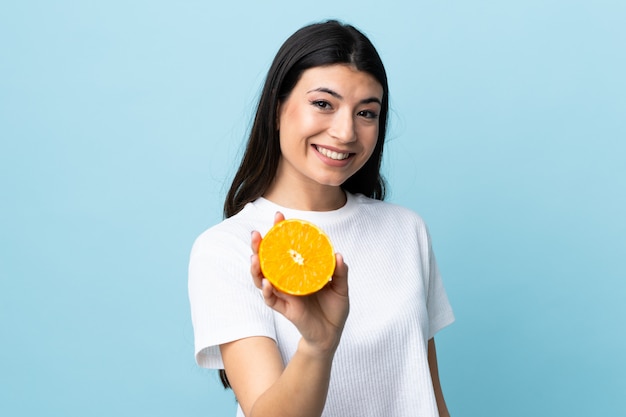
(434, 375)
(262, 385)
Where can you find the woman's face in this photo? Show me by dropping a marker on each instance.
(328, 126)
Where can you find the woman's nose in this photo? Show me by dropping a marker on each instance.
(342, 128)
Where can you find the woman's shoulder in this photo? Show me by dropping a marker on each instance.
(232, 231)
(386, 210)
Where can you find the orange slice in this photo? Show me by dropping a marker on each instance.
(297, 257)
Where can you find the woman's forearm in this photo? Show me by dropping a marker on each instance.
(302, 388)
(434, 374)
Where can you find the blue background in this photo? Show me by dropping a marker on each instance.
(121, 124)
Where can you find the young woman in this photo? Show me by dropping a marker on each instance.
(314, 153)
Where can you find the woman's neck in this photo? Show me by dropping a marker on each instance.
(314, 198)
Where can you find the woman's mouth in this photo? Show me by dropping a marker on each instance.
(337, 156)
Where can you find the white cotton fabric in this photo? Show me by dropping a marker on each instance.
(397, 303)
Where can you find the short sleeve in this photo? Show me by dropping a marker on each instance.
(225, 304)
(440, 312)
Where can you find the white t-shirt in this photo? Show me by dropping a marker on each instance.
(397, 303)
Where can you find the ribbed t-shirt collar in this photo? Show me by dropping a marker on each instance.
(319, 217)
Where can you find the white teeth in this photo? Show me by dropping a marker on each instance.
(332, 154)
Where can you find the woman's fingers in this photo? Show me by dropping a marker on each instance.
(255, 265)
(340, 276)
(278, 217)
(268, 292)
(255, 241)
(273, 298)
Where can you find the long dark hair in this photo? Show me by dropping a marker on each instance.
(316, 45)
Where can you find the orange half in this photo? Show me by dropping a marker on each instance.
(297, 257)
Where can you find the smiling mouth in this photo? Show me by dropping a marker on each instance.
(337, 156)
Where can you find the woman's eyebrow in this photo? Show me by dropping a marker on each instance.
(340, 97)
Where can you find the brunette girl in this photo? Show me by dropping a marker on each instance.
(314, 153)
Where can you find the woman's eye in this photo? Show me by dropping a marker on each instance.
(321, 104)
(368, 114)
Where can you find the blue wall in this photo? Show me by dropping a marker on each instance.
(122, 122)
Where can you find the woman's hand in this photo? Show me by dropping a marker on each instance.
(264, 385)
(319, 317)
